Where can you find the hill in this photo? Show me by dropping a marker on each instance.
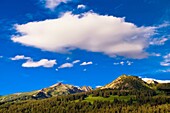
(125, 82)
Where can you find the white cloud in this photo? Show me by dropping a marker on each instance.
(51, 4)
(90, 31)
(86, 63)
(81, 6)
(76, 61)
(68, 58)
(165, 71)
(66, 65)
(159, 81)
(129, 63)
(20, 57)
(158, 41)
(84, 69)
(1, 56)
(155, 54)
(43, 62)
(166, 61)
(122, 63)
(116, 63)
(30, 63)
(98, 86)
(167, 56)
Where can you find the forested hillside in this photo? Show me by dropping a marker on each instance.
(98, 101)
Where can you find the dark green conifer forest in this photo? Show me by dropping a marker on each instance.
(97, 101)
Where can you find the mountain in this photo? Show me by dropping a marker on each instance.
(87, 88)
(163, 87)
(60, 89)
(131, 94)
(125, 82)
(54, 90)
(152, 82)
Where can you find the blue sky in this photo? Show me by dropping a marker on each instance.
(82, 42)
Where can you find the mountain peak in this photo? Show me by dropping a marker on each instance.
(86, 88)
(126, 82)
(58, 84)
(151, 82)
(124, 75)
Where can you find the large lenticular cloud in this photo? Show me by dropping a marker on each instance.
(92, 32)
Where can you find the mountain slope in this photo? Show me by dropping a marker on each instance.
(125, 82)
(61, 89)
(86, 88)
(152, 82)
(54, 90)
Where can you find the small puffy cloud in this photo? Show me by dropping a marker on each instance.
(99, 86)
(159, 81)
(66, 65)
(76, 61)
(167, 56)
(1, 56)
(52, 4)
(129, 63)
(109, 35)
(155, 54)
(116, 63)
(84, 69)
(86, 63)
(165, 71)
(81, 6)
(32, 64)
(122, 63)
(20, 57)
(158, 41)
(43, 62)
(68, 58)
(166, 61)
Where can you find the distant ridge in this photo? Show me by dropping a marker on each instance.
(54, 90)
(86, 88)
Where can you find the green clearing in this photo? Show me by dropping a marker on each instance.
(111, 98)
